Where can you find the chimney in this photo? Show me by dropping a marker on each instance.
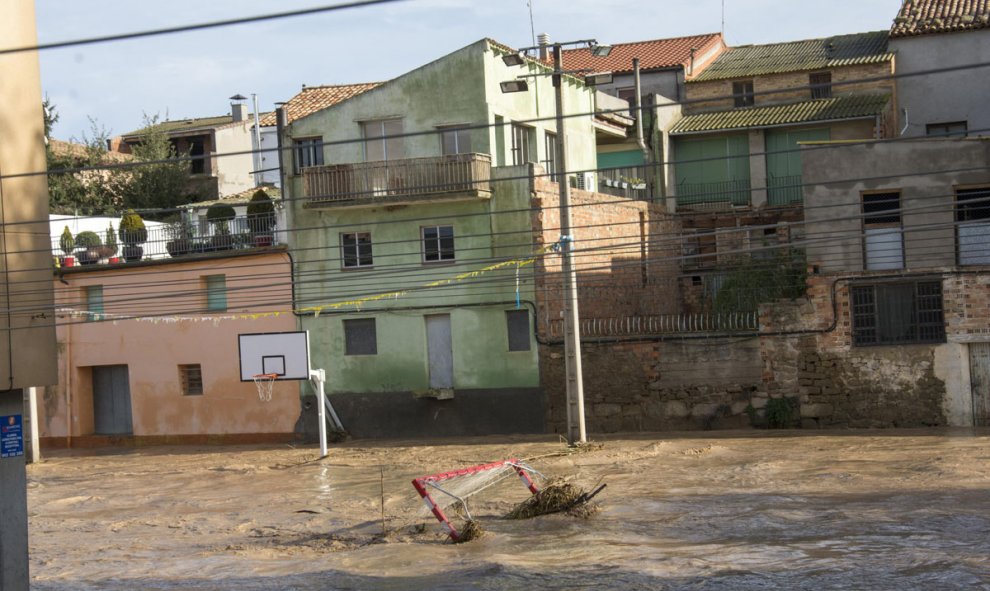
(238, 111)
(543, 39)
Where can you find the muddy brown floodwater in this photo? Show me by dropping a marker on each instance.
(733, 511)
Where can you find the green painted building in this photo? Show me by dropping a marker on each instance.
(412, 237)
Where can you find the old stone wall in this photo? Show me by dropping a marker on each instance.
(659, 386)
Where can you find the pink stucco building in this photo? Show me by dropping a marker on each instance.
(148, 352)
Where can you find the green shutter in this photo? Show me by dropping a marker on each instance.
(784, 163)
(711, 170)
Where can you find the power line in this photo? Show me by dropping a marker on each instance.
(196, 27)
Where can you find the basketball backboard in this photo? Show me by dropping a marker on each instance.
(285, 354)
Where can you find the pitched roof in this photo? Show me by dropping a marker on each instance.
(314, 98)
(795, 56)
(922, 17)
(242, 198)
(653, 55)
(190, 125)
(839, 107)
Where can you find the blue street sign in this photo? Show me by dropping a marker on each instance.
(11, 436)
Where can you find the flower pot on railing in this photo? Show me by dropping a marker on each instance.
(68, 261)
(221, 242)
(263, 240)
(88, 256)
(132, 253)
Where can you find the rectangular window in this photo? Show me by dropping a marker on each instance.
(438, 244)
(821, 85)
(216, 293)
(551, 151)
(517, 326)
(382, 141)
(356, 249)
(360, 337)
(973, 226)
(954, 129)
(522, 144)
(883, 241)
(94, 302)
(455, 139)
(629, 95)
(308, 152)
(897, 313)
(742, 93)
(191, 377)
(197, 155)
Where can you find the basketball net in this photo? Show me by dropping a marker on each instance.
(264, 382)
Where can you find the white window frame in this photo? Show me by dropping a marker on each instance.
(359, 247)
(460, 134)
(448, 256)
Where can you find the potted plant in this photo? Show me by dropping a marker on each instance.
(88, 244)
(67, 243)
(261, 218)
(180, 239)
(133, 234)
(109, 248)
(220, 214)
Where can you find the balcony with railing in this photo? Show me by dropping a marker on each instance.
(399, 181)
(784, 190)
(714, 195)
(627, 182)
(174, 240)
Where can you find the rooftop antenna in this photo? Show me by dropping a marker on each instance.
(723, 19)
(532, 27)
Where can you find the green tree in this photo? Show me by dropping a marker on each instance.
(158, 179)
(76, 184)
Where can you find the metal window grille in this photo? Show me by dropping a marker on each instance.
(356, 249)
(973, 228)
(438, 243)
(898, 313)
(953, 129)
(360, 337)
(743, 94)
(821, 85)
(191, 377)
(517, 327)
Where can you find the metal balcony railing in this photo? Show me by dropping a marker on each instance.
(731, 192)
(784, 190)
(397, 179)
(631, 326)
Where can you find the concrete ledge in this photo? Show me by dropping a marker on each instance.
(92, 441)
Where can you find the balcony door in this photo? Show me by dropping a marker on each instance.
(440, 351)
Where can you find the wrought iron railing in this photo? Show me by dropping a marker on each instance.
(660, 325)
(389, 180)
(172, 240)
(784, 190)
(725, 192)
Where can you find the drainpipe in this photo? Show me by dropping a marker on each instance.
(282, 121)
(647, 156)
(256, 157)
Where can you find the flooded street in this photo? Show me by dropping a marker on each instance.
(778, 510)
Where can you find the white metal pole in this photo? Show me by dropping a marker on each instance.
(319, 376)
(32, 409)
(572, 339)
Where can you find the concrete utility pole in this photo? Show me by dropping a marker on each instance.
(576, 432)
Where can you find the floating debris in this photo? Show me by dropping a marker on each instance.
(471, 531)
(556, 496)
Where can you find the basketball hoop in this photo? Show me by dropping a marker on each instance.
(264, 382)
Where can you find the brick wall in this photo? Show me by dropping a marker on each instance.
(624, 253)
(716, 95)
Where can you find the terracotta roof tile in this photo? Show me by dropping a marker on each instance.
(840, 107)
(796, 56)
(314, 98)
(923, 17)
(653, 55)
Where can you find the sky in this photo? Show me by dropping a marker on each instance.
(112, 86)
